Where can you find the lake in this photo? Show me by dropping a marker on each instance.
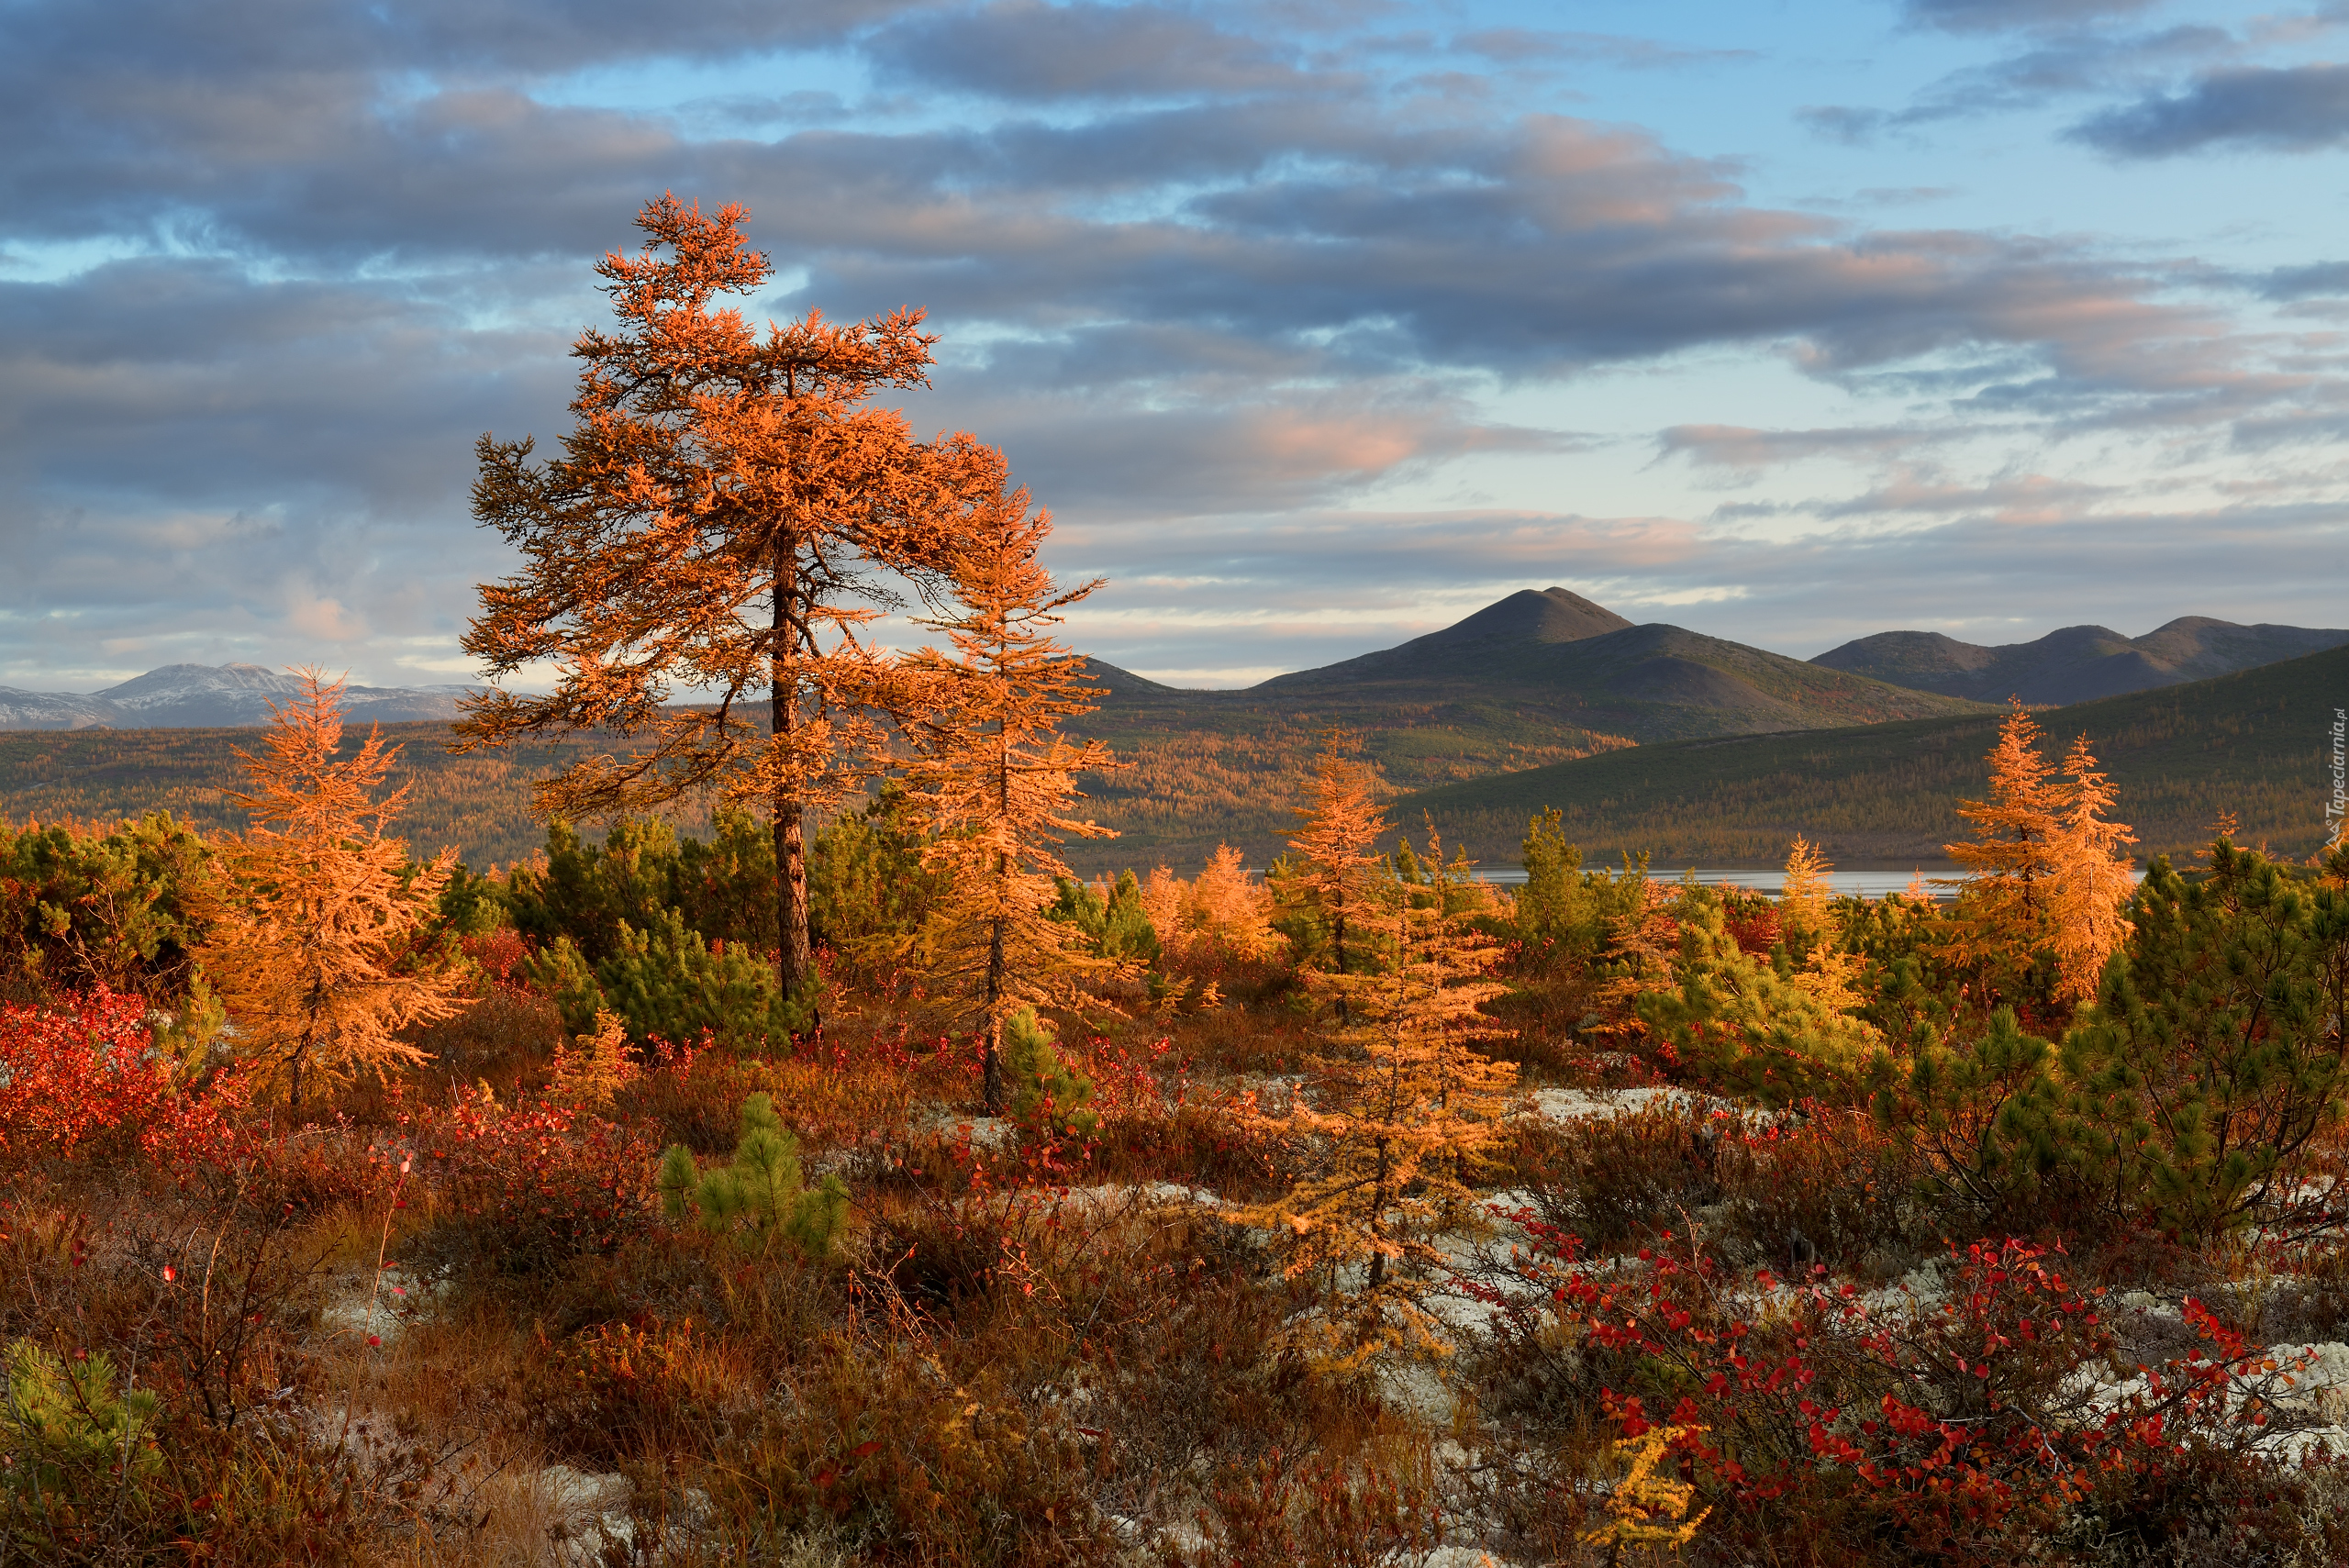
(1859, 884)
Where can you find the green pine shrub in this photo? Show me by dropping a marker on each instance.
(1747, 1026)
(868, 892)
(2216, 1054)
(561, 972)
(2193, 1094)
(1116, 924)
(80, 908)
(762, 1197)
(70, 1439)
(722, 888)
(1976, 1109)
(663, 980)
(1043, 1087)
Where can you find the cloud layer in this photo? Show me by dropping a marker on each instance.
(1297, 316)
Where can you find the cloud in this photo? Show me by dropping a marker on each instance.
(1515, 247)
(1522, 249)
(1284, 592)
(2065, 62)
(1223, 281)
(2297, 108)
(1026, 51)
(324, 619)
(1511, 46)
(2026, 499)
(2001, 16)
(1749, 451)
(187, 379)
(2302, 283)
(1995, 569)
(1213, 458)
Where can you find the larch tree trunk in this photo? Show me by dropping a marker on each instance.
(795, 958)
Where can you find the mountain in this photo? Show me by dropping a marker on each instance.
(1537, 677)
(1525, 617)
(1656, 735)
(2077, 664)
(2257, 743)
(1597, 671)
(184, 696)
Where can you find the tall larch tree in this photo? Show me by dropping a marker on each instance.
(320, 947)
(1394, 1119)
(1334, 870)
(2049, 878)
(727, 514)
(2093, 879)
(994, 781)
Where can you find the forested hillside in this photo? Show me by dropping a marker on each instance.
(2255, 743)
(479, 803)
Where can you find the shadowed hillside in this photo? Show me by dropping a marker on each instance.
(2255, 743)
(480, 803)
(2077, 664)
(1538, 699)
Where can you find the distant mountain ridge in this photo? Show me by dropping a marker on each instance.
(1540, 676)
(2075, 664)
(194, 696)
(1704, 746)
(1597, 671)
(2252, 744)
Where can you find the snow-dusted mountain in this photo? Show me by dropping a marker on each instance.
(189, 696)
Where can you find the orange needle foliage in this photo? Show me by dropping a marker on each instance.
(2049, 872)
(995, 781)
(1802, 896)
(318, 954)
(1334, 835)
(716, 531)
(2093, 879)
(1397, 1118)
(1206, 924)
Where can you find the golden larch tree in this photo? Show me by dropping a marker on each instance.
(726, 519)
(320, 948)
(1806, 912)
(994, 781)
(2048, 877)
(1333, 873)
(1802, 896)
(1219, 919)
(1394, 1121)
(2092, 879)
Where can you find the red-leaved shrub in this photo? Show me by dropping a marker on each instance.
(525, 1188)
(82, 1080)
(1963, 1426)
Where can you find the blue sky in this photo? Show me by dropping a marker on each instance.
(1316, 324)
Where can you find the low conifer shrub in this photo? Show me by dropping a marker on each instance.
(762, 1196)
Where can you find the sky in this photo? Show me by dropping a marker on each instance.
(1316, 324)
